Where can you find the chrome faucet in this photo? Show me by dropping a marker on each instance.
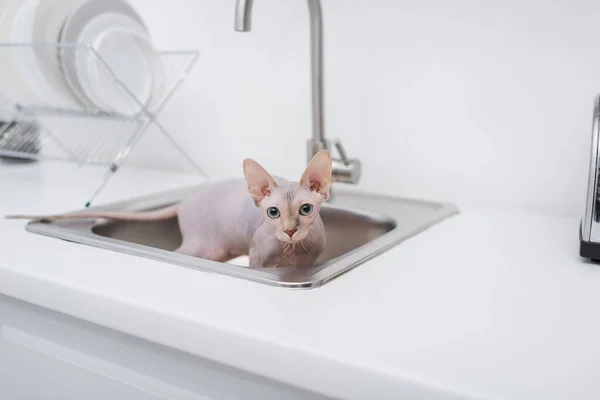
(344, 170)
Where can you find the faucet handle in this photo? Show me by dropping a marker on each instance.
(341, 151)
(350, 170)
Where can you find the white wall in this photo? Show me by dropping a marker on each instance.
(474, 102)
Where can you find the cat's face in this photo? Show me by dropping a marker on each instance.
(290, 208)
(291, 211)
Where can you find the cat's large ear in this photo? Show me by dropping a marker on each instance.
(259, 181)
(317, 175)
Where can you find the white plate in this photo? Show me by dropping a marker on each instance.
(35, 75)
(50, 16)
(123, 45)
(74, 68)
(12, 88)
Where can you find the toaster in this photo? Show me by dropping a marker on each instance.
(589, 228)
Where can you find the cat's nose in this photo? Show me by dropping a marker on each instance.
(290, 232)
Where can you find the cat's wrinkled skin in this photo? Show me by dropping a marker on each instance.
(221, 221)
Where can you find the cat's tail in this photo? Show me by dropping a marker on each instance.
(154, 215)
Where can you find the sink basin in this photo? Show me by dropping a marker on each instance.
(359, 226)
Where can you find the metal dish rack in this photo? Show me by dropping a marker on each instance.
(82, 134)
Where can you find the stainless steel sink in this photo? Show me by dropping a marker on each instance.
(359, 226)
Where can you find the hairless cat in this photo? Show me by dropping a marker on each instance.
(278, 225)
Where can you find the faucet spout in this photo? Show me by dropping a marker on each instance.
(243, 15)
(349, 171)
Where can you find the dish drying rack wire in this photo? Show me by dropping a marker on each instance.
(84, 134)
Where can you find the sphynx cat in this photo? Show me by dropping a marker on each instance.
(278, 225)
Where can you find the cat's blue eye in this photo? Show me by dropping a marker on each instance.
(306, 209)
(273, 212)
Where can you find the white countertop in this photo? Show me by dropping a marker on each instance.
(490, 304)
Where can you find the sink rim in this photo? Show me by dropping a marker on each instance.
(325, 271)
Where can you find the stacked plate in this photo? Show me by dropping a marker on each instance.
(95, 54)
